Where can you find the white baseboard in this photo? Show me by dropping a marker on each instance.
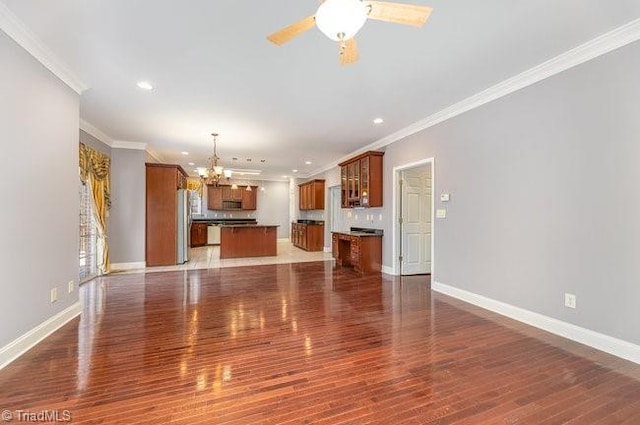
(388, 270)
(608, 344)
(119, 267)
(22, 344)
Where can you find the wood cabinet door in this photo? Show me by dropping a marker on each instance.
(214, 198)
(317, 195)
(364, 181)
(248, 199)
(304, 197)
(303, 236)
(198, 234)
(236, 194)
(344, 186)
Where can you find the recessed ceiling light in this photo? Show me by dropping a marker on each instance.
(262, 160)
(184, 153)
(308, 162)
(294, 171)
(145, 85)
(378, 121)
(192, 163)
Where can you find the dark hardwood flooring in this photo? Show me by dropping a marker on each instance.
(309, 344)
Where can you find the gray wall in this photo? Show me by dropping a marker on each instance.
(273, 206)
(544, 190)
(39, 121)
(127, 215)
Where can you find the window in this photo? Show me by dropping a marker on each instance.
(88, 266)
(195, 202)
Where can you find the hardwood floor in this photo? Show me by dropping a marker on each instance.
(306, 343)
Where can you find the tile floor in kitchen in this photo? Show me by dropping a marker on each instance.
(208, 257)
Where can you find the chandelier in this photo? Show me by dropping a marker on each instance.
(215, 174)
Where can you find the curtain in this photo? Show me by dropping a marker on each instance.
(95, 170)
(194, 184)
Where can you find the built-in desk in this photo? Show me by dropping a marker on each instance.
(359, 248)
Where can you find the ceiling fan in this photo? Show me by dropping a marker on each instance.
(340, 20)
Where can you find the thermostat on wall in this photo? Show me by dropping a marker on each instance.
(444, 197)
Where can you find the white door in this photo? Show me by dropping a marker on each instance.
(416, 220)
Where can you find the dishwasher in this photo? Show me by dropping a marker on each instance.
(213, 234)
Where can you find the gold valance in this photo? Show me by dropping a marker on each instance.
(194, 184)
(98, 165)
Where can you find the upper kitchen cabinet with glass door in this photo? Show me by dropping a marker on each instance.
(361, 180)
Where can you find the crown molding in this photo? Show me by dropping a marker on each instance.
(155, 155)
(21, 34)
(601, 45)
(87, 127)
(123, 144)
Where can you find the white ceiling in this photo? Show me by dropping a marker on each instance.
(214, 70)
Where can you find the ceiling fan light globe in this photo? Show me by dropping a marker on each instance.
(341, 19)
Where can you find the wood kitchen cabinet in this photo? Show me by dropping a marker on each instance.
(214, 197)
(311, 195)
(308, 236)
(361, 180)
(198, 234)
(224, 198)
(161, 228)
(249, 198)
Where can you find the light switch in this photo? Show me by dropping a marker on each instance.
(441, 213)
(444, 197)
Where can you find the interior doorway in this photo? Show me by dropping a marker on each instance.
(335, 209)
(414, 218)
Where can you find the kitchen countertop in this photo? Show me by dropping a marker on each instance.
(312, 222)
(249, 225)
(359, 231)
(225, 220)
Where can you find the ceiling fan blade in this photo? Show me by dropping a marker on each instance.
(399, 13)
(348, 52)
(286, 34)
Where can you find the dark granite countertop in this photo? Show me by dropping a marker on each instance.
(314, 222)
(225, 220)
(248, 225)
(361, 231)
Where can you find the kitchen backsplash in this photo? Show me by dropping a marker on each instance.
(312, 215)
(226, 214)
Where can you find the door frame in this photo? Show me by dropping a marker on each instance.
(395, 234)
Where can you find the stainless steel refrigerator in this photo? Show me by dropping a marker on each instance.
(183, 218)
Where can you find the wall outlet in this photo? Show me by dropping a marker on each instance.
(54, 295)
(441, 213)
(570, 300)
(70, 286)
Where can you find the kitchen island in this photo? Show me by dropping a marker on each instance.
(248, 240)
